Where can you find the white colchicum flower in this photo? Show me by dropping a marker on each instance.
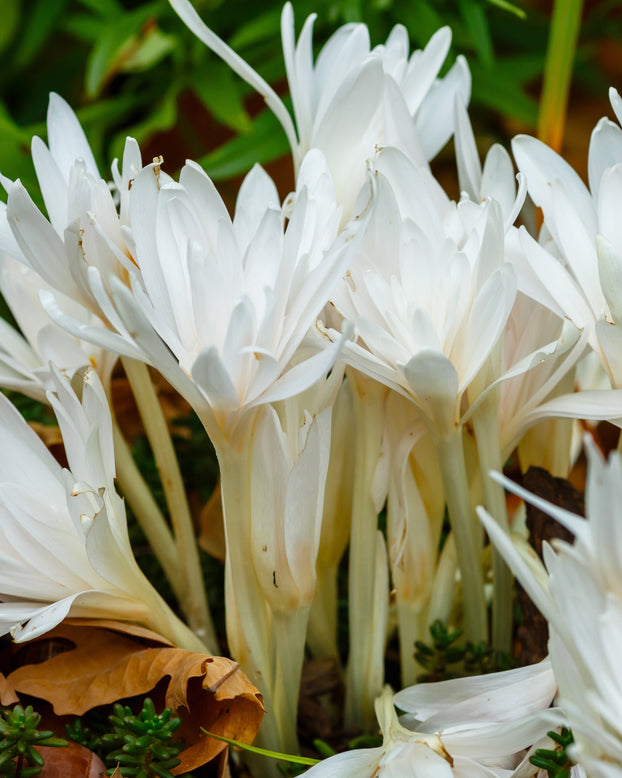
(576, 268)
(64, 547)
(580, 593)
(354, 98)
(221, 306)
(465, 728)
(429, 293)
(25, 358)
(84, 228)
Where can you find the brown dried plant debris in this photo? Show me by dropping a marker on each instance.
(107, 661)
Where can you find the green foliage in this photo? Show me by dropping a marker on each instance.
(555, 761)
(129, 67)
(142, 745)
(20, 736)
(79, 733)
(444, 658)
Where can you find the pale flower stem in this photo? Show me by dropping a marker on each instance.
(486, 426)
(248, 632)
(183, 637)
(248, 622)
(193, 600)
(288, 637)
(322, 631)
(443, 586)
(145, 508)
(368, 410)
(412, 623)
(462, 517)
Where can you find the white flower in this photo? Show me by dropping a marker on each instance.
(64, 547)
(353, 99)
(430, 292)
(464, 728)
(221, 306)
(582, 600)
(84, 229)
(576, 270)
(25, 359)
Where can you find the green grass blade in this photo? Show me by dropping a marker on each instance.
(306, 760)
(558, 71)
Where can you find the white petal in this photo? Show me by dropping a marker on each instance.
(66, 138)
(194, 22)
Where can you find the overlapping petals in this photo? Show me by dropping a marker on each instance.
(64, 547)
(354, 98)
(430, 293)
(581, 598)
(465, 728)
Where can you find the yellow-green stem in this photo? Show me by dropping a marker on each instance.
(368, 409)
(145, 508)
(462, 518)
(560, 54)
(194, 600)
(412, 626)
(486, 426)
(288, 642)
(248, 619)
(322, 631)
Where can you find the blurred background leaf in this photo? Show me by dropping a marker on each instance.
(131, 67)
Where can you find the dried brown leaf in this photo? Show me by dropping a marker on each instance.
(72, 761)
(105, 665)
(8, 695)
(211, 521)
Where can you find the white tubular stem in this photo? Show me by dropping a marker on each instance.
(193, 600)
(462, 517)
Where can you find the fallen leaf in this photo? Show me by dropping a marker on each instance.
(8, 695)
(104, 665)
(72, 761)
(211, 521)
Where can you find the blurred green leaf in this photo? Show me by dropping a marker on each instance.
(521, 69)
(264, 143)
(493, 89)
(220, 91)
(162, 117)
(421, 18)
(105, 8)
(10, 21)
(477, 25)
(263, 27)
(511, 8)
(83, 27)
(40, 23)
(154, 47)
(117, 43)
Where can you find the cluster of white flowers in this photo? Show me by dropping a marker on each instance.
(368, 342)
